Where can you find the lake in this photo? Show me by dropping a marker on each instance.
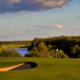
(22, 51)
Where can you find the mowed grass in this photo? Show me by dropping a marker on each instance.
(47, 69)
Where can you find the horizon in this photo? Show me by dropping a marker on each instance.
(22, 20)
(42, 38)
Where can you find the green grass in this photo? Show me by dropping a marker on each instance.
(47, 69)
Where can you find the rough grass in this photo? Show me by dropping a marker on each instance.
(10, 46)
(47, 69)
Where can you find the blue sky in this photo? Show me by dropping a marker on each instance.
(27, 19)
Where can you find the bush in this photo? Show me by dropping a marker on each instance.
(27, 55)
(75, 49)
(34, 52)
(39, 51)
(12, 53)
(61, 54)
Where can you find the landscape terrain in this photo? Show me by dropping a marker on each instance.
(42, 52)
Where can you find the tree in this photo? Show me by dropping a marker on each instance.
(12, 53)
(75, 49)
(61, 54)
(42, 48)
(34, 52)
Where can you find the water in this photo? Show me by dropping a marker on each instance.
(22, 51)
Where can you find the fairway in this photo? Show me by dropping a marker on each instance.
(46, 69)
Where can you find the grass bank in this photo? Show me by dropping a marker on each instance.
(47, 69)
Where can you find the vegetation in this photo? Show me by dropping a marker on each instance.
(41, 50)
(65, 44)
(28, 43)
(75, 49)
(47, 69)
(61, 54)
(14, 44)
(46, 47)
(12, 53)
(4, 45)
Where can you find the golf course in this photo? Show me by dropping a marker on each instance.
(46, 69)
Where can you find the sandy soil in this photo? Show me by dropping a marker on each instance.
(11, 67)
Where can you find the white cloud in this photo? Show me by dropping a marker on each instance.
(18, 32)
(15, 32)
(33, 29)
(11, 31)
(56, 26)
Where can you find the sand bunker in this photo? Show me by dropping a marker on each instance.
(22, 66)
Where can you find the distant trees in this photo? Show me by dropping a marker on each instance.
(28, 43)
(41, 50)
(64, 43)
(12, 53)
(45, 47)
(75, 49)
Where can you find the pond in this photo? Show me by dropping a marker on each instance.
(22, 51)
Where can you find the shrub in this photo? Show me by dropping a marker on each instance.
(40, 51)
(12, 53)
(34, 52)
(75, 49)
(61, 54)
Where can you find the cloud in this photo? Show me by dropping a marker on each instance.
(18, 32)
(13, 1)
(11, 31)
(78, 17)
(15, 32)
(57, 26)
(76, 29)
(33, 29)
(20, 12)
(19, 6)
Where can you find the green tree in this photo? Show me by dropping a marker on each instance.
(75, 49)
(42, 48)
(61, 54)
(12, 53)
(34, 52)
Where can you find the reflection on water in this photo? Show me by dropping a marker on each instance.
(22, 51)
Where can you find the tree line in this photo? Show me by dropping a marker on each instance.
(15, 42)
(70, 45)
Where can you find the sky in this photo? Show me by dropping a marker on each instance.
(27, 19)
